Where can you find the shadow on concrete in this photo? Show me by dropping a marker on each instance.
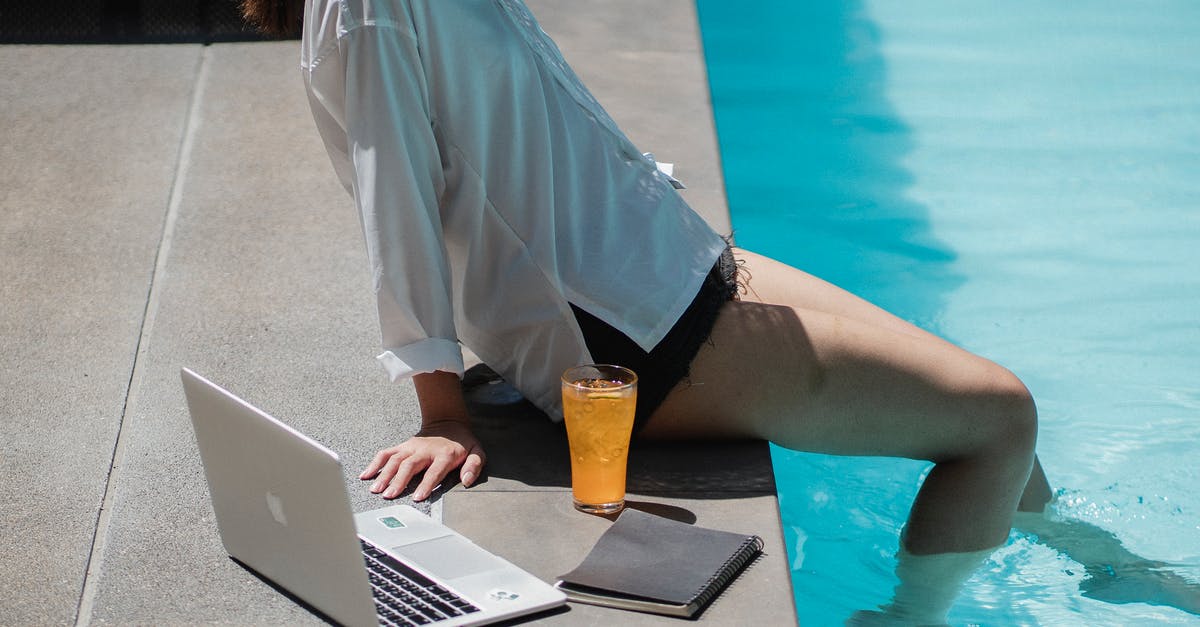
(123, 22)
(527, 448)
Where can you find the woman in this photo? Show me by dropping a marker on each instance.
(504, 209)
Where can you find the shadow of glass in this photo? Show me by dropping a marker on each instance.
(662, 510)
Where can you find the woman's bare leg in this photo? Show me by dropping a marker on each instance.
(845, 379)
(782, 284)
(1037, 493)
(769, 281)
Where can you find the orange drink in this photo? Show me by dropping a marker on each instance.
(598, 406)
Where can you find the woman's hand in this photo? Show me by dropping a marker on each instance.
(437, 449)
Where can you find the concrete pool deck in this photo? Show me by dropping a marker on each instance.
(171, 205)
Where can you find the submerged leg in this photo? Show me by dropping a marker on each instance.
(928, 586)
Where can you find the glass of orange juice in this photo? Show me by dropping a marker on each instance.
(598, 406)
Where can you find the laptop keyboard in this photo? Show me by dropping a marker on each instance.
(405, 597)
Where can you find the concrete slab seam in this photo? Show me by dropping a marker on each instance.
(87, 596)
(436, 510)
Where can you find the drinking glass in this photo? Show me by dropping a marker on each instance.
(598, 406)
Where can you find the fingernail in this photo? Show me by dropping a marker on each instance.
(390, 494)
(419, 496)
(377, 487)
(468, 477)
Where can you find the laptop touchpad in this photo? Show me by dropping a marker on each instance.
(449, 557)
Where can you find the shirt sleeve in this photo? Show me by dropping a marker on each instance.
(397, 183)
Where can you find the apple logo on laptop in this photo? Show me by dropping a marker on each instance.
(275, 505)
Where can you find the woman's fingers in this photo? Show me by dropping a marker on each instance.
(433, 476)
(434, 455)
(401, 470)
(394, 469)
(472, 466)
(377, 463)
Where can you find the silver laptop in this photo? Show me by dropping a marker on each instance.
(283, 510)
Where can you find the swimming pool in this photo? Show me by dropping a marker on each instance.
(1024, 179)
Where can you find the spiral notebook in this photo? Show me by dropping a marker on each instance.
(652, 564)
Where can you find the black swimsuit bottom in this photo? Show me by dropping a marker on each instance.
(668, 363)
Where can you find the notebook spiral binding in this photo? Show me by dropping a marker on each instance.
(746, 554)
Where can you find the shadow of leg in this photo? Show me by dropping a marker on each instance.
(1115, 575)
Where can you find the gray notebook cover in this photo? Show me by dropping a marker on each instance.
(648, 563)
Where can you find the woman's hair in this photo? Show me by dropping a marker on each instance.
(274, 18)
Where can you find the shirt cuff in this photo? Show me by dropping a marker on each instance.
(429, 355)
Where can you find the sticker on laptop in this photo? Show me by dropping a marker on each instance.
(391, 522)
(503, 595)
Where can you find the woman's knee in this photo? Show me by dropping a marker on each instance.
(1009, 416)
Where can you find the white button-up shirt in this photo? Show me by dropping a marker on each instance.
(493, 190)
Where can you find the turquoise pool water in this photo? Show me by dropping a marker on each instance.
(1024, 179)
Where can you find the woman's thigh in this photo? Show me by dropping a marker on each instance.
(846, 378)
(769, 281)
